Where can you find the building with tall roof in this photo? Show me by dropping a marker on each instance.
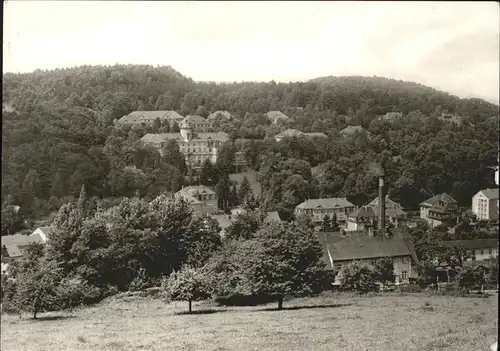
(144, 118)
(439, 209)
(14, 246)
(339, 250)
(485, 204)
(277, 117)
(196, 123)
(196, 147)
(201, 199)
(318, 208)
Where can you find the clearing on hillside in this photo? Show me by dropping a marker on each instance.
(383, 322)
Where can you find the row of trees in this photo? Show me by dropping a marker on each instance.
(94, 252)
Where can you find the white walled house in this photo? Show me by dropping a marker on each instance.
(201, 199)
(478, 249)
(439, 209)
(42, 232)
(485, 204)
(339, 250)
(318, 208)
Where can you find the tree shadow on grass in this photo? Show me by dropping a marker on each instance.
(293, 308)
(50, 318)
(210, 311)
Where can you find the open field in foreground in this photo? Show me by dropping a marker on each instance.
(382, 322)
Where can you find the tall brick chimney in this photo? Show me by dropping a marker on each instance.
(381, 204)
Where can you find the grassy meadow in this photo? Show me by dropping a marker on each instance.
(336, 322)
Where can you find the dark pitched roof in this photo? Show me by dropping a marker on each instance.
(147, 116)
(358, 245)
(194, 119)
(388, 203)
(14, 243)
(437, 199)
(473, 244)
(353, 129)
(363, 212)
(325, 203)
(491, 194)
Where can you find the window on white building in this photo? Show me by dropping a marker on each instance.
(404, 275)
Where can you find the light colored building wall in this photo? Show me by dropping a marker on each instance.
(484, 208)
(403, 269)
(484, 254)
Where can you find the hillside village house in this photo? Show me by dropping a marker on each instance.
(144, 118)
(196, 147)
(339, 250)
(318, 208)
(14, 246)
(297, 133)
(478, 249)
(366, 217)
(439, 209)
(277, 117)
(451, 118)
(485, 204)
(351, 130)
(201, 200)
(196, 123)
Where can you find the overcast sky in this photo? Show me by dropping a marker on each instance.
(450, 46)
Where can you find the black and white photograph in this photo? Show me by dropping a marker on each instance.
(250, 175)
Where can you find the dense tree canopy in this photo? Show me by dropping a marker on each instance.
(58, 134)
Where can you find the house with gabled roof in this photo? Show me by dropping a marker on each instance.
(201, 199)
(318, 208)
(13, 246)
(277, 117)
(439, 209)
(366, 216)
(42, 232)
(485, 204)
(477, 249)
(339, 250)
(196, 123)
(352, 130)
(148, 117)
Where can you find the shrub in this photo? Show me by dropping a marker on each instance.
(140, 282)
(359, 277)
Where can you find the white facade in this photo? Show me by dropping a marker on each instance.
(485, 204)
(483, 254)
(403, 269)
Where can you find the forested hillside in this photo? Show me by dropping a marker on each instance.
(58, 134)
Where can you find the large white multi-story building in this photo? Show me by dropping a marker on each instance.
(144, 118)
(485, 204)
(196, 147)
